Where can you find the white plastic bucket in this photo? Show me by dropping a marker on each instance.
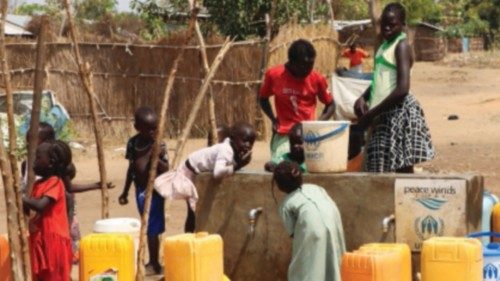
(120, 225)
(326, 145)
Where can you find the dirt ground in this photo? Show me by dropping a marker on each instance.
(465, 86)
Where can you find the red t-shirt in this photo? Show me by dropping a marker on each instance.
(355, 58)
(54, 219)
(294, 99)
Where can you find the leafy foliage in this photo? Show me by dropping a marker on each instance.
(243, 18)
(94, 9)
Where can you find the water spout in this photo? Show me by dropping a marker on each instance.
(253, 215)
(387, 222)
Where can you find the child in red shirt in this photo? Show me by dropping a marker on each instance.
(50, 243)
(356, 56)
(296, 88)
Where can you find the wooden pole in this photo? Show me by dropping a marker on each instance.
(199, 98)
(86, 76)
(330, 10)
(374, 7)
(206, 67)
(37, 101)
(264, 62)
(155, 150)
(12, 147)
(12, 211)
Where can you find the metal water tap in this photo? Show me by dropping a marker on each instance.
(253, 215)
(387, 221)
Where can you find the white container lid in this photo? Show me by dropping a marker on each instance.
(117, 225)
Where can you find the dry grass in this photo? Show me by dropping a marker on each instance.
(126, 77)
(323, 37)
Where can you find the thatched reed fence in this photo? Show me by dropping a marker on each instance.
(126, 76)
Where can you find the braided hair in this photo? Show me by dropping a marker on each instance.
(288, 176)
(60, 156)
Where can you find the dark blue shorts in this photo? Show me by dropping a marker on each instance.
(156, 222)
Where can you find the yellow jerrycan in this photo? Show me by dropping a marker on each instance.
(371, 266)
(193, 257)
(401, 249)
(107, 256)
(452, 258)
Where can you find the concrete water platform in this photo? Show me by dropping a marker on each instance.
(363, 200)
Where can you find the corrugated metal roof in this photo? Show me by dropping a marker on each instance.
(341, 24)
(14, 30)
(19, 20)
(14, 25)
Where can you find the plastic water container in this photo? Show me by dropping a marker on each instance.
(5, 263)
(489, 201)
(193, 257)
(491, 257)
(326, 145)
(401, 249)
(129, 226)
(371, 266)
(107, 256)
(451, 258)
(495, 221)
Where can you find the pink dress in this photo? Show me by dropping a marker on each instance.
(179, 183)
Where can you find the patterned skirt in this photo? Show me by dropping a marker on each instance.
(399, 138)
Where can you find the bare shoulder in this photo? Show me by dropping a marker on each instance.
(404, 50)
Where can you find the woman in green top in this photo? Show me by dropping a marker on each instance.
(399, 136)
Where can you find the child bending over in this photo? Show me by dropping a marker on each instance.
(138, 153)
(312, 219)
(50, 244)
(221, 159)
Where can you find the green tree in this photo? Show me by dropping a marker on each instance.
(30, 9)
(94, 9)
(153, 16)
(50, 7)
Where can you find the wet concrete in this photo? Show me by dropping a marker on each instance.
(363, 200)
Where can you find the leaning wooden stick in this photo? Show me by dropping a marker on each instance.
(37, 101)
(199, 98)
(86, 77)
(264, 61)
(155, 150)
(12, 147)
(12, 216)
(211, 102)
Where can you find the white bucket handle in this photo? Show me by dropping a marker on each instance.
(327, 135)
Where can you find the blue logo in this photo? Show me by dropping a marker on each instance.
(427, 227)
(310, 140)
(490, 272)
(431, 203)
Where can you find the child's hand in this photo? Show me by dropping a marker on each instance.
(110, 185)
(123, 200)
(275, 127)
(360, 107)
(269, 166)
(243, 160)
